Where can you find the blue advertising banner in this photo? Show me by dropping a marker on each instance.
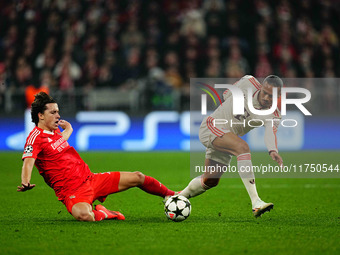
(167, 130)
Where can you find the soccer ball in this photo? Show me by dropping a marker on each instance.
(177, 208)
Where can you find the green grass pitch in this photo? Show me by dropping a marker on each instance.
(305, 219)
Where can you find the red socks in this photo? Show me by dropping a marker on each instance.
(152, 186)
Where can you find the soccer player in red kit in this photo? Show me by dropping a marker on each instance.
(67, 174)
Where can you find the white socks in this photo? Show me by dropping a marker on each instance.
(246, 173)
(194, 188)
(244, 165)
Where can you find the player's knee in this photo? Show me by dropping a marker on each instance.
(83, 216)
(243, 148)
(138, 178)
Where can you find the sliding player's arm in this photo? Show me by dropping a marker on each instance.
(270, 140)
(67, 127)
(26, 174)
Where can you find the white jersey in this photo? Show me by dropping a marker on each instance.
(242, 124)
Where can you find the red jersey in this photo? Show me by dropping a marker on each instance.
(58, 162)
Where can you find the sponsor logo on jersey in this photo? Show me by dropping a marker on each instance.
(60, 144)
(49, 139)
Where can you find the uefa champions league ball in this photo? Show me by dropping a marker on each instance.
(177, 208)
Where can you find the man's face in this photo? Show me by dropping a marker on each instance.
(50, 118)
(266, 95)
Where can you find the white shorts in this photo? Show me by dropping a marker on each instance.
(207, 134)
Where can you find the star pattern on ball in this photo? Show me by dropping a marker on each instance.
(187, 204)
(178, 211)
(175, 199)
(177, 208)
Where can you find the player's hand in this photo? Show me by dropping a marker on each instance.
(25, 187)
(64, 124)
(275, 156)
(67, 127)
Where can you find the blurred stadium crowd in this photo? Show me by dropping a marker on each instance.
(152, 48)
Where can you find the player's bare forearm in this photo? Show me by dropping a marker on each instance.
(26, 174)
(67, 127)
(270, 138)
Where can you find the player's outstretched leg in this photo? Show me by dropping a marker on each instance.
(144, 182)
(203, 182)
(195, 187)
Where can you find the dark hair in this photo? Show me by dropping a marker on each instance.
(39, 105)
(273, 80)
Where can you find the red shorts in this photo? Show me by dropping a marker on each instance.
(99, 186)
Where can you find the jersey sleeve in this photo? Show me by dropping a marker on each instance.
(32, 147)
(270, 138)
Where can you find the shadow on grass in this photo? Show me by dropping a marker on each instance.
(266, 220)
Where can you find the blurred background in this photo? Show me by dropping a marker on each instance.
(131, 62)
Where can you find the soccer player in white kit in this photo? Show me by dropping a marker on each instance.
(222, 140)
